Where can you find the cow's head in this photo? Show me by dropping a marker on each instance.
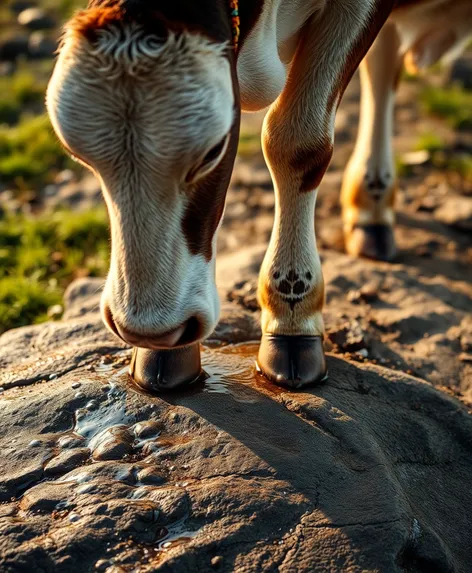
(151, 106)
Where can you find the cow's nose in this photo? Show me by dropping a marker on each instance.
(186, 333)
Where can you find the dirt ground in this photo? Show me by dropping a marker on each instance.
(412, 314)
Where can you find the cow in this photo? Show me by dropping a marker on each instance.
(148, 95)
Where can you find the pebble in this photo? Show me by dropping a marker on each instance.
(113, 444)
(150, 476)
(35, 443)
(69, 442)
(73, 517)
(76, 385)
(216, 561)
(66, 461)
(112, 449)
(147, 429)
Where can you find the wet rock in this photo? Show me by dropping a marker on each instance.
(112, 444)
(46, 497)
(173, 503)
(148, 429)
(456, 212)
(151, 476)
(36, 19)
(66, 461)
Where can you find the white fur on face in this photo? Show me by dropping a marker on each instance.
(142, 113)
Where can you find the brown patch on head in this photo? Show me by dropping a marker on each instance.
(105, 15)
(207, 199)
(206, 17)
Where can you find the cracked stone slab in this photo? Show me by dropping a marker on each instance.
(371, 471)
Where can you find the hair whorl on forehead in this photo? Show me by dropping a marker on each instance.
(123, 42)
(90, 22)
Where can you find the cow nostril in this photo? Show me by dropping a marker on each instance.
(191, 333)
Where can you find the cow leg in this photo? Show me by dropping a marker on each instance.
(298, 142)
(368, 190)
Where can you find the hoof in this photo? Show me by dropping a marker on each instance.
(371, 241)
(293, 361)
(161, 370)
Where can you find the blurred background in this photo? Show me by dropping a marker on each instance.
(54, 226)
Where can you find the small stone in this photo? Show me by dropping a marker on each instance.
(35, 443)
(112, 444)
(92, 405)
(66, 461)
(73, 517)
(363, 352)
(466, 342)
(35, 19)
(55, 311)
(148, 429)
(150, 476)
(456, 212)
(76, 385)
(216, 561)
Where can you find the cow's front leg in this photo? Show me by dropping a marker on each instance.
(369, 184)
(298, 143)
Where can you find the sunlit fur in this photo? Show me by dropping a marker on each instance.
(142, 112)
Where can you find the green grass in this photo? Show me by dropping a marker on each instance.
(30, 154)
(40, 256)
(429, 141)
(444, 158)
(249, 144)
(18, 93)
(452, 103)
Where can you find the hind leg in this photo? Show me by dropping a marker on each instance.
(368, 190)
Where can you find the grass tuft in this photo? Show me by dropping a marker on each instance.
(40, 256)
(452, 103)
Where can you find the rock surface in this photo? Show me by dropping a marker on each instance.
(371, 471)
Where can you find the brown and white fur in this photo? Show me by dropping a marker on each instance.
(148, 95)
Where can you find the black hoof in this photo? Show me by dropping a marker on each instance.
(161, 370)
(372, 241)
(293, 361)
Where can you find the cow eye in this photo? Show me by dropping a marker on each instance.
(215, 151)
(209, 161)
